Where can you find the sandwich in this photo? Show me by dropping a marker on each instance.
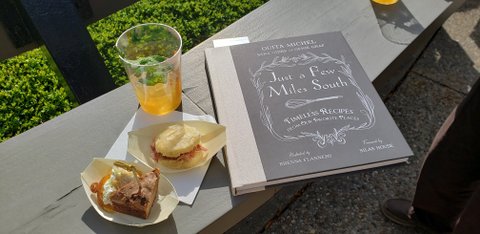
(127, 190)
(179, 147)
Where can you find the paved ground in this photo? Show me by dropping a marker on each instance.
(349, 203)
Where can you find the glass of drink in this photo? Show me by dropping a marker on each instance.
(385, 2)
(151, 56)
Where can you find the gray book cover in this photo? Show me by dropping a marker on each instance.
(309, 105)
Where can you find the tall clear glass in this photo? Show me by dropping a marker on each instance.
(151, 54)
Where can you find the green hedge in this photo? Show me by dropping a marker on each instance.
(31, 92)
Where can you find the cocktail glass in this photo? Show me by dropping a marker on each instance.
(151, 54)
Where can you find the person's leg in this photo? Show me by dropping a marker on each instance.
(401, 210)
(469, 221)
(448, 176)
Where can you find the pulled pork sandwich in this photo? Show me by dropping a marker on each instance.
(178, 147)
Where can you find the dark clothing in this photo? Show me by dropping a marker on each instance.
(448, 187)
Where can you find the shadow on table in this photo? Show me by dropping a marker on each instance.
(396, 22)
(217, 174)
(469, 5)
(100, 225)
(446, 62)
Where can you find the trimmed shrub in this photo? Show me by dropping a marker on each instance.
(30, 92)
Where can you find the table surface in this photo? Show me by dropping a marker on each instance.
(40, 170)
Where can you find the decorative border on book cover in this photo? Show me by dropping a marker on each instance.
(322, 139)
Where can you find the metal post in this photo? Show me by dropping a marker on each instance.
(60, 27)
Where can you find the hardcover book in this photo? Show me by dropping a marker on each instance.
(299, 108)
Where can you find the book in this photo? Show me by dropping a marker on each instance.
(299, 108)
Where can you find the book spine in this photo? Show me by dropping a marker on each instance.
(241, 152)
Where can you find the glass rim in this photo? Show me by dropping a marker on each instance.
(179, 50)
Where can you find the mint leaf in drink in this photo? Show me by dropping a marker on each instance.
(153, 76)
(138, 71)
(143, 61)
(153, 79)
(150, 60)
(159, 58)
(150, 69)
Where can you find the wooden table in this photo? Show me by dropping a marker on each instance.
(40, 183)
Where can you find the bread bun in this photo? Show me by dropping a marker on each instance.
(179, 147)
(177, 139)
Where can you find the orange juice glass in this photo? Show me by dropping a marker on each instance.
(385, 2)
(151, 54)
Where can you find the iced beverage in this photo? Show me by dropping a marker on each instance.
(151, 54)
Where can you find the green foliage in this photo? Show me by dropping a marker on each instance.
(32, 93)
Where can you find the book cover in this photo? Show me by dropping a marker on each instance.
(299, 108)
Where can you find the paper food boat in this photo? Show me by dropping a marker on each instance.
(212, 137)
(162, 208)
